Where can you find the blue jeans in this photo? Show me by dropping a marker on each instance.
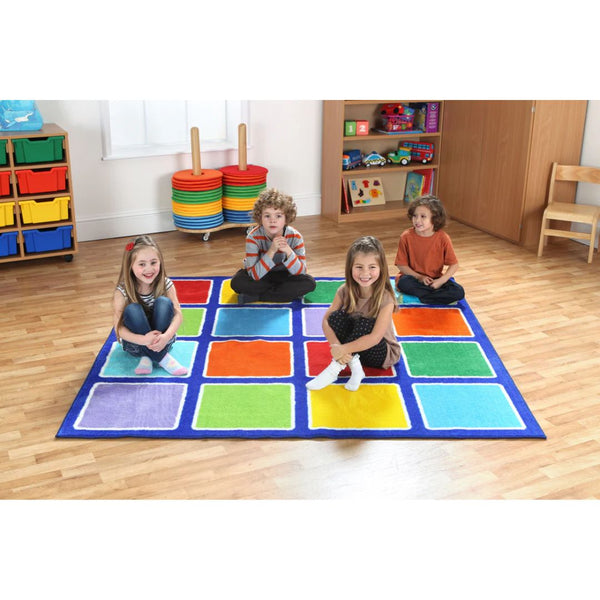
(135, 319)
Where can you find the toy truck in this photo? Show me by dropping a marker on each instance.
(402, 156)
(351, 159)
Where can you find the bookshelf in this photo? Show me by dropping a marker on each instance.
(393, 176)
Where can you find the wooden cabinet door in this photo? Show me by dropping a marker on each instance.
(484, 164)
(504, 164)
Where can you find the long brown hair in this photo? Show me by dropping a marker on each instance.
(368, 245)
(126, 277)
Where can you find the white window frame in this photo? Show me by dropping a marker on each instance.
(236, 112)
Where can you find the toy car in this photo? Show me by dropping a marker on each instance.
(373, 159)
(392, 109)
(401, 156)
(351, 159)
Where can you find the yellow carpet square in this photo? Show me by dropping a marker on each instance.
(372, 406)
(228, 296)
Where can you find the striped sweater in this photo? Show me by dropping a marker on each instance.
(258, 263)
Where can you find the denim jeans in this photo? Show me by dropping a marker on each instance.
(135, 319)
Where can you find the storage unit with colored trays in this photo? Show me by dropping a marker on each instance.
(37, 213)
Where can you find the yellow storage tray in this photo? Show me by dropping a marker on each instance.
(7, 214)
(34, 211)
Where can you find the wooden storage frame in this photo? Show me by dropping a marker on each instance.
(335, 112)
(48, 130)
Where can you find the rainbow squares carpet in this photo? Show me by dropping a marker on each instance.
(248, 366)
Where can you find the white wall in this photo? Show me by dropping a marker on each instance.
(130, 196)
(589, 193)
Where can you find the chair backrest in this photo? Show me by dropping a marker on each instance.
(575, 173)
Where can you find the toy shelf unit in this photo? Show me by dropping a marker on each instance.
(37, 213)
(388, 145)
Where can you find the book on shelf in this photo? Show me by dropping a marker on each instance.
(428, 175)
(345, 204)
(414, 186)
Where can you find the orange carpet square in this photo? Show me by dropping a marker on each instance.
(431, 322)
(257, 358)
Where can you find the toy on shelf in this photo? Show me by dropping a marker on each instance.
(366, 191)
(402, 156)
(351, 159)
(241, 185)
(392, 108)
(420, 151)
(374, 159)
(397, 118)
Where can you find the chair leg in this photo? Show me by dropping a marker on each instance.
(542, 237)
(593, 241)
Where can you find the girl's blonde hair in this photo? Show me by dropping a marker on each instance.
(273, 198)
(126, 277)
(368, 245)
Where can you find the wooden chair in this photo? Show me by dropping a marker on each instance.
(566, 211)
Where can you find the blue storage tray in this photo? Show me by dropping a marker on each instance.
(47, 240)
(8, 243)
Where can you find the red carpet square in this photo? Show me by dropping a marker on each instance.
(318, 357)
(444, 322)
(258, 358)
(193, 291)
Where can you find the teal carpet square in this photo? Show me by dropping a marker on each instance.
(121, 364)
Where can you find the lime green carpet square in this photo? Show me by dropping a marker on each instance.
(192, 322)
(323, 293)
(245, 406)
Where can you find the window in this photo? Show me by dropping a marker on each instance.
(134, 128)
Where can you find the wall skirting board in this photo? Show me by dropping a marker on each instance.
(132, 223)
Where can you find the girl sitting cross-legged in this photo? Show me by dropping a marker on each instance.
(358, 324)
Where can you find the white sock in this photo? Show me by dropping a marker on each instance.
(171, 366)
(144, 366)
(357, 374)
(326, 377)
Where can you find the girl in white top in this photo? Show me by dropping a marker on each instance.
(147, 314)
(358, 324)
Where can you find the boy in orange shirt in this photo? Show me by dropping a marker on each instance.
(423, 250)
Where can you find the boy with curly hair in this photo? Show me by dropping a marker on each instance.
(275, 263)
(423, 251)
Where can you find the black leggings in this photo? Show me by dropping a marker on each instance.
(276, 286)
(348, 329)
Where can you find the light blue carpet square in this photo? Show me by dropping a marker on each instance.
(253, 321)
(466, 406)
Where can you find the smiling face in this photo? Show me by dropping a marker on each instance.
(422, 222)
(145, 267)
(273, 221)
(365, 270)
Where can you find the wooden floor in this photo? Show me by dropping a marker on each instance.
(542, 315)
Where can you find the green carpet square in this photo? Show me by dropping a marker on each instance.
(446, 359)
(245, 406)
(193, 319)
(323, 293)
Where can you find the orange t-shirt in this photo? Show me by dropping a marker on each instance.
(425, 255)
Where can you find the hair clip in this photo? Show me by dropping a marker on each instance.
(129, 247)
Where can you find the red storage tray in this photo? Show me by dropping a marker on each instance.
(42, 181)
(5, 183)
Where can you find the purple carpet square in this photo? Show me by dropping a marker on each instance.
(135, 406)
(312, 321)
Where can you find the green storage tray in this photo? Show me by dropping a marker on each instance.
(38, 150)
(3, 158)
